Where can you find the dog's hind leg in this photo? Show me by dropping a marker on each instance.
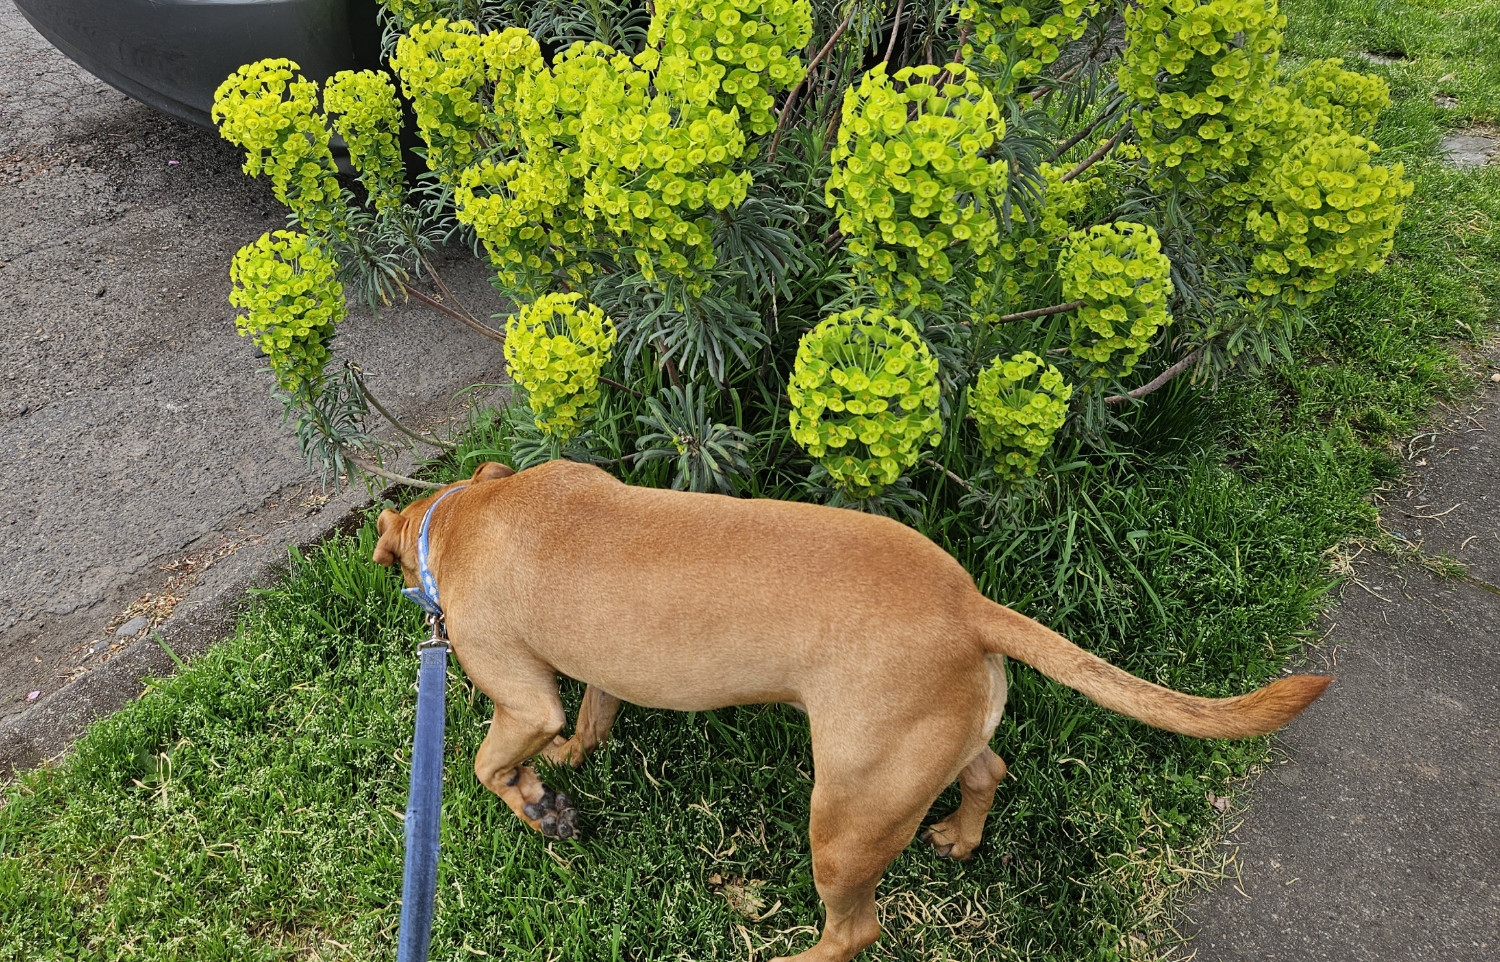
(521, 727)
(596, 715)
(958, 835)
(851, 849)
(868, 800)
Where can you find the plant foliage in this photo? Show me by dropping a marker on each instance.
(776, 202)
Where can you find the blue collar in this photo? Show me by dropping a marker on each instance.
(426, 594)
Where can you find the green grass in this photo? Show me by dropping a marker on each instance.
(1443, 46)
(249, 807)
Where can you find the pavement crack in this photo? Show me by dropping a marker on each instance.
(1480, 584)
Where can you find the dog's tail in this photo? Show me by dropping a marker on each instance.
(1006, 632)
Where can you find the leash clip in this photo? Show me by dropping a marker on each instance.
(439, 636)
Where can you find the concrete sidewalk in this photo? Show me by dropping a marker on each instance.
(1378, 838)
(145, 460)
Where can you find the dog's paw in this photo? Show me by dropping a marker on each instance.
(564, 751)
(554, 814)
(946, 840)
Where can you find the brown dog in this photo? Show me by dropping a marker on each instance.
(698, 601)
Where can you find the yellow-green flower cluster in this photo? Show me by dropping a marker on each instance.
(271, 111)
(410, 12)
(910, 178)
(607, 159)
(1324, 211)
(555, 350)
(1019, 405)
(365, 112)
(527, 215)
(461, 85)
(1022, 35)
(530, 210)
(657, 161)
(1323, 99)
(1123, 279)
(290, 292)
(1196, 66)
(1348, 99)
(1030, 249)
(746, 48)
(441, 66)
(602, 150)
(512, 60)
(864, 393)
(1267, 130)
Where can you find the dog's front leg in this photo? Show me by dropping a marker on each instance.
(516, 734)
(595, 718)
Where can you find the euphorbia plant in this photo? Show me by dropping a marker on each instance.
(785, 246)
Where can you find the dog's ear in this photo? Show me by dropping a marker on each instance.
(492, 471)
(390, 525)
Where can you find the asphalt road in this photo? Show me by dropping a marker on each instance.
(138, 438)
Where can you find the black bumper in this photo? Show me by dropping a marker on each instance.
(173, 54)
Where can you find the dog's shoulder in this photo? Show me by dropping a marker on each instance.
(553, 486)
(563, 474)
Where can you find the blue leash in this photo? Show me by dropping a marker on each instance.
(424, 805)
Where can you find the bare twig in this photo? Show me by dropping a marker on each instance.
(395, 421)
(791, 96)
(890, 48)
(946, 76)
(468, 322)
(833, 126)
(1042, 93)
(1073, 141)
(931, 463)
(371, 467)
(1156, 382)
(786, 107)
(620, 387)
(839, 32)
(963, 38)
(1095, 157)
(1039, 312)
(666, 362)
(623, 459)
(447, 294)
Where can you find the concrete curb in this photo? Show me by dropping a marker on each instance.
(44, 732)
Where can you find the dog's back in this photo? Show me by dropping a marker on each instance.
(690, 601)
